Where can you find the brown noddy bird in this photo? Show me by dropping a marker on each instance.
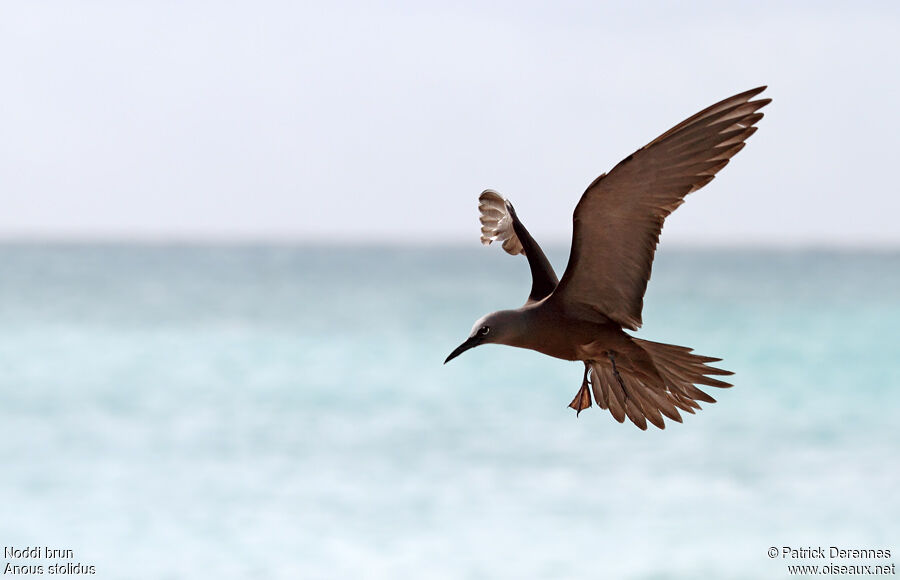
(616, 229)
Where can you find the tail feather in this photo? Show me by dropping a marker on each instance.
(684, 403)
(641, 394)
(655, 381)
(665, 405)
(601, 392)
(607, 391)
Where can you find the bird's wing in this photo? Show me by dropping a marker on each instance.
(499, 223)
(619, 218)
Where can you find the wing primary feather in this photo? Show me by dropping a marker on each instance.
(499, 223)
(618, 220)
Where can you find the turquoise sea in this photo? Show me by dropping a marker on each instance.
(283, 412)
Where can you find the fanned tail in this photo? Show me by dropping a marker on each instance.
(654, 381)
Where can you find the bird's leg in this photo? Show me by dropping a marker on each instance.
(582, 399)
(612, 359)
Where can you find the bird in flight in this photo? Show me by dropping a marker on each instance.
(617, 223)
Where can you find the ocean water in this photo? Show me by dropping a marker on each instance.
(283, 412)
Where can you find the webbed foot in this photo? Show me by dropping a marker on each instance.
(582, 399)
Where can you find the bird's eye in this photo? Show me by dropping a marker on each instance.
(483, 331)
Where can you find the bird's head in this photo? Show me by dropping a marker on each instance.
(498, 328)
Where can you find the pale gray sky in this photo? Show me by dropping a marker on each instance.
(360, 121)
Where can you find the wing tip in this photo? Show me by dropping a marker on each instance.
(749, 94)
(490, 194)
(497, 222)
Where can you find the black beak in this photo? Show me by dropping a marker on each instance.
(472, 342)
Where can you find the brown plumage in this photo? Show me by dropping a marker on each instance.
(617, 224)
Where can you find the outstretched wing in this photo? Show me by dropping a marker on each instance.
(499, 223)
(620, 216)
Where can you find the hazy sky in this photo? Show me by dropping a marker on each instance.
(358, 121)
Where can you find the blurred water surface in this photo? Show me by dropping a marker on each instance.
(282, 412)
